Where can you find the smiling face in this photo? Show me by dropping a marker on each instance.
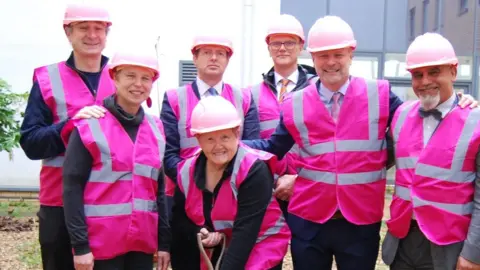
(333, 66)
(133, 84)
(219, 146)
(434, 84)
(87, 38)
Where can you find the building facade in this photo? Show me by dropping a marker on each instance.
(457, 20)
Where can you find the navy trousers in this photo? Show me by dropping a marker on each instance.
(313, 246)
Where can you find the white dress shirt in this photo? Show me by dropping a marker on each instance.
(203, 88)
(291, 84)
(430, 123)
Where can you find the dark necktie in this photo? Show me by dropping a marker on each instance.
(435, 113)
(212, 91)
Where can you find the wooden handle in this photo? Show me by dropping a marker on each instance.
(204, 253)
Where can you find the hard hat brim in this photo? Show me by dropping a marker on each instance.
(352, 45)
(234, 124)
(452, 61)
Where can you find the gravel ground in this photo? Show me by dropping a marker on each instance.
(19, 249)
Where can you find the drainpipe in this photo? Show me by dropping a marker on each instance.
(159, 103)
(247, 34)
(475, 75)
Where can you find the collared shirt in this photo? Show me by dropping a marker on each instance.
(293, 79)
(327, 95)
(430, 123)
(203, 88)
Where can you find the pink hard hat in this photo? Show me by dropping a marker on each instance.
(285, 24)
(86, 12)
(430, 49)
(217, 40)
(130, 59)
(214, 113)
(330, 33)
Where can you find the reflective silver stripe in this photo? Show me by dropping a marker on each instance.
(279, 224)
(255, 90)
(455, 173)
(241, 153)
(108, 210)
(459, 209)
(361, 177)
(161, 140)
(373, 144)
(297, 102)
(145, 205)
(185, 174)
(54, 162)
(238, 95)
(343, 178)
(373, 109)
(222, 224)
(146, 171)
(402, 192)
(406, 162)
(343, 146)
(106, 173)
(268, 124)
(450, 175)
(317, 176)
(185, 141)
(400, 120)
(58, 92)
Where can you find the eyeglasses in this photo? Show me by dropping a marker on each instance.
(276, 45)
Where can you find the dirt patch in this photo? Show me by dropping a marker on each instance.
(11, 224)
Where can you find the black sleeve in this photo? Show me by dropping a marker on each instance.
(181, 224)
(164, 234)
(254, 196)
(251, 123)
(394, 103)
(172, 136)
(39, 136)
(390, 151)
(76, 170)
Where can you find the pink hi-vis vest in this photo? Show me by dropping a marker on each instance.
(268, 109)
(121, 193)
(183, 100)
(274, 235)
(435, 181)
(344, 162)
(65, 93)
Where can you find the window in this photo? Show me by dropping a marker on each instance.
(463, 7)
(188, 72)
(412, 23)
(425, 16)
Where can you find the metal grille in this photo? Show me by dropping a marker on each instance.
(188, 72)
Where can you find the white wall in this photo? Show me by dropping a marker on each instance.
(32, 35)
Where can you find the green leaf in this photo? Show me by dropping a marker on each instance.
(10, 114)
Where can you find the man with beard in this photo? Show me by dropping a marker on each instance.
(435, 212)
(340, 126)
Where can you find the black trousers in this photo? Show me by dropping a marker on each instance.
(128, 261)
(54, 240)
